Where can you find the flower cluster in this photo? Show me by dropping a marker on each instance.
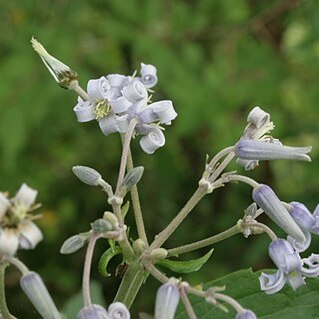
(17, 230)
(114, 100)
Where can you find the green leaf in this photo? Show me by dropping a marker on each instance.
(185, 266)
(105, 259)
(243, 286)
(125, 209)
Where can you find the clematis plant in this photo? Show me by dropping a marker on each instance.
(122, 104)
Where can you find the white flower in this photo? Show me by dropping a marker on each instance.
(16, 227)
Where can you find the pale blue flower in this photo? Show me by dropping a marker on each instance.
(246, 314)
(93, 312)
(291, 268)
(309, 223)
(267, 200)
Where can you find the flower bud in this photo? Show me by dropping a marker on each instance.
(111, 218)
(158, 254)
(118, 310)
(266, 199)
(33, 286)
(93, 312)
(246, 314)
(133, 176)
(87, 175)
(74, 243)
(139, 247)
(167, 299)
(148, 73)
(101, 226)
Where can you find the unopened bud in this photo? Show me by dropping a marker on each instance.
(158, 254)
(111, 218)
(118, 310)
(139, 247)
(101, 226)
(93, 312)
(34, 287)
(87, 175)
(133, 176)
(74, 243)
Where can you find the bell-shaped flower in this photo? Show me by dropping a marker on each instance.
(148, 73)
(18, 229)
(118, 310)
(291, 268)
(93, 312)
(250, 149)
(246, 314)
(34, 287)
(309, 223)
(167, 299)
(267, 200)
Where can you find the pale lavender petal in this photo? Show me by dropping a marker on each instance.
(120, 104)
(122, 123)
(266, 199)
(147, 116)
(117, 80)
(272, 283)
(301, 215)
(93, 312)
(4, 204)
(148, 73)
(312, 266)
(25, 195)
(118, 310)
(9, 242)
(84, 111)
(248, 165)
(260, 150)
(164, 111)
(135, 91)
(152, 141)
(99, 89)
(108, 124)
(30, 234)
(295, 280)
(258, 117)
(300, 246)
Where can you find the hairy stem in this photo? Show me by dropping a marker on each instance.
(125, 151)
(77, 88)
(131, 283)
(205, 242)
(87, 270)
(17, 263)
(188, 306)
(156, 273)
(136, 204)
(4, 311)
(192, 202)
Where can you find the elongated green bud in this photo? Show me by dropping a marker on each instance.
(87, 175)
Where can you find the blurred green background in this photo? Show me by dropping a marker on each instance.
(216, 59)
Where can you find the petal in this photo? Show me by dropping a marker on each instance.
(84, 111)
(93, 312)
(122, 123)
(9, 241)
(108, 124)
(118, 310)
(120, 104)
(295, 280)
(99, 89)
(298, 245)
(301, 215)
(30, 235)
(152, 141)
(26, 195)
(266, 199)
(164, 111)
(4, 204)
(135, 91)
(272, 283)
(117, 80)
(312, 263)
(148, 73)
(247, 164)
(258, 117)
(246, 314)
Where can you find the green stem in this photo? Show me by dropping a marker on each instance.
(125, 151)
(205, 242)
(4, 311)
(170, 228)
(136, 204)
(131, 284)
